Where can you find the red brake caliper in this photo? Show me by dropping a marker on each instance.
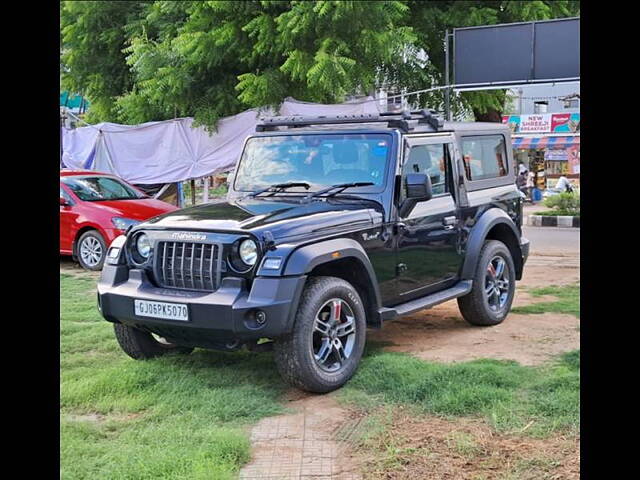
(337, 306)
(492, 270)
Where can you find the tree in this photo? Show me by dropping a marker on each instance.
(140, 61)
(92, 38)
(430, 20)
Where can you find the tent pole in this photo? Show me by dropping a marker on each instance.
(180, 195)
(193, 192)
(205, 192)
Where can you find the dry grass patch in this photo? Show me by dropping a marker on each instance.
(414, 446)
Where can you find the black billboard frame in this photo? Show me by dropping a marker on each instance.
(450, 37)
(503, 84)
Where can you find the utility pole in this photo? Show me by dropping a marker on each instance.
(447, 92)
(63, 119)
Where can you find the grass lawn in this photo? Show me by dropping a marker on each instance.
(174, 417)
(187, 417)
(568, 300)
(508, 395)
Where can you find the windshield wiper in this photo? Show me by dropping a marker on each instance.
(280, 187)
(338, 188)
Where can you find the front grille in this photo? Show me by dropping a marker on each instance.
(188, 266)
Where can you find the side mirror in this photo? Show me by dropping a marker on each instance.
(417, 189)
(63, 202)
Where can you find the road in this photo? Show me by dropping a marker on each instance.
(553, 240)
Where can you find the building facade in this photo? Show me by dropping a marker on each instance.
(545, 130)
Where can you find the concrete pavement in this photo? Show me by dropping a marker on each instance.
(549, 241)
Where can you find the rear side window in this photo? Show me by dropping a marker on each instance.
(484, 157)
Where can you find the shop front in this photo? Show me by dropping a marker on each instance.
(548, 145)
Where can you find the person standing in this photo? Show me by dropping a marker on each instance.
(531, 183)
(521, 181)
(564, 185)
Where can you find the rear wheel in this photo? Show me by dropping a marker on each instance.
(324, 349)
(494, 285)
(142, 345)
(91, 250)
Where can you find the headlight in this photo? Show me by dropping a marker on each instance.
(143, 245)
(248, 252)
(122, 223)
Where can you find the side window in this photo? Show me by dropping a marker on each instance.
(432, 159)
(484, 157)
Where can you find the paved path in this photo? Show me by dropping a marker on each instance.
(312, 443)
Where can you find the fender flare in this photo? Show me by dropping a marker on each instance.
(304, 259)
(478, 235)
(86, 227)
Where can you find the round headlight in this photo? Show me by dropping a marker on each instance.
(143, 245)
(248, 252)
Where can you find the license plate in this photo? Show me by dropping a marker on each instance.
(167, 311)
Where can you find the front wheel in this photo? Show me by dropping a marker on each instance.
(92, 250)
(142, 345)
(324, 349)
(494, 285)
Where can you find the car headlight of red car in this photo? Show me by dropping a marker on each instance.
(122, 223)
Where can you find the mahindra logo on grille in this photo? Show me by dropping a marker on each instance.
(188, 236)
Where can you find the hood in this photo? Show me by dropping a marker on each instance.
(283, 219)
(140, 209)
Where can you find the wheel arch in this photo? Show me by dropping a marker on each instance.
(341, 258)
(494, 224)
(81, 231)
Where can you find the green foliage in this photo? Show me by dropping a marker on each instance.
(139, 61)
(564, 202)
(93, 35)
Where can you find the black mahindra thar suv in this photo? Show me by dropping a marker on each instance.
(332, 225)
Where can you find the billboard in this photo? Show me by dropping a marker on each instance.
(544, 123)
(517, 53)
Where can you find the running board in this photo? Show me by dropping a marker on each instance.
(458, 290)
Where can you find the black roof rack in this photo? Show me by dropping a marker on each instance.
(404, 120)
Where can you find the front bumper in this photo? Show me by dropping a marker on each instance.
(215, 318)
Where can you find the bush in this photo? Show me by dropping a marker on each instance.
(564, 202)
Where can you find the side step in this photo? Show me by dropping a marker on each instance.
(458, 290)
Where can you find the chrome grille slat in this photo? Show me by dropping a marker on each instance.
(188, 265)
(163, 268)
(193, 255)
(211, 265)
(202, 266)
(182, 272)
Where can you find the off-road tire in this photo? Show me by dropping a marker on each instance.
(474, 306)
(95, 234)
(293, 352)
(141, 345)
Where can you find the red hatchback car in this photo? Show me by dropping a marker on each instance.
(97, 207)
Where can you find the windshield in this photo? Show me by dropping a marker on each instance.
(319, 160)
(92, 189)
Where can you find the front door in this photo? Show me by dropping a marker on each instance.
(428, 256)
(67, 218)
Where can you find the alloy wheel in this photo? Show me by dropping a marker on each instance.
(496, 283)
(91, 251)
(334, 334)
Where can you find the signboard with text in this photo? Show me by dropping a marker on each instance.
(535, 123)
(544, 123)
